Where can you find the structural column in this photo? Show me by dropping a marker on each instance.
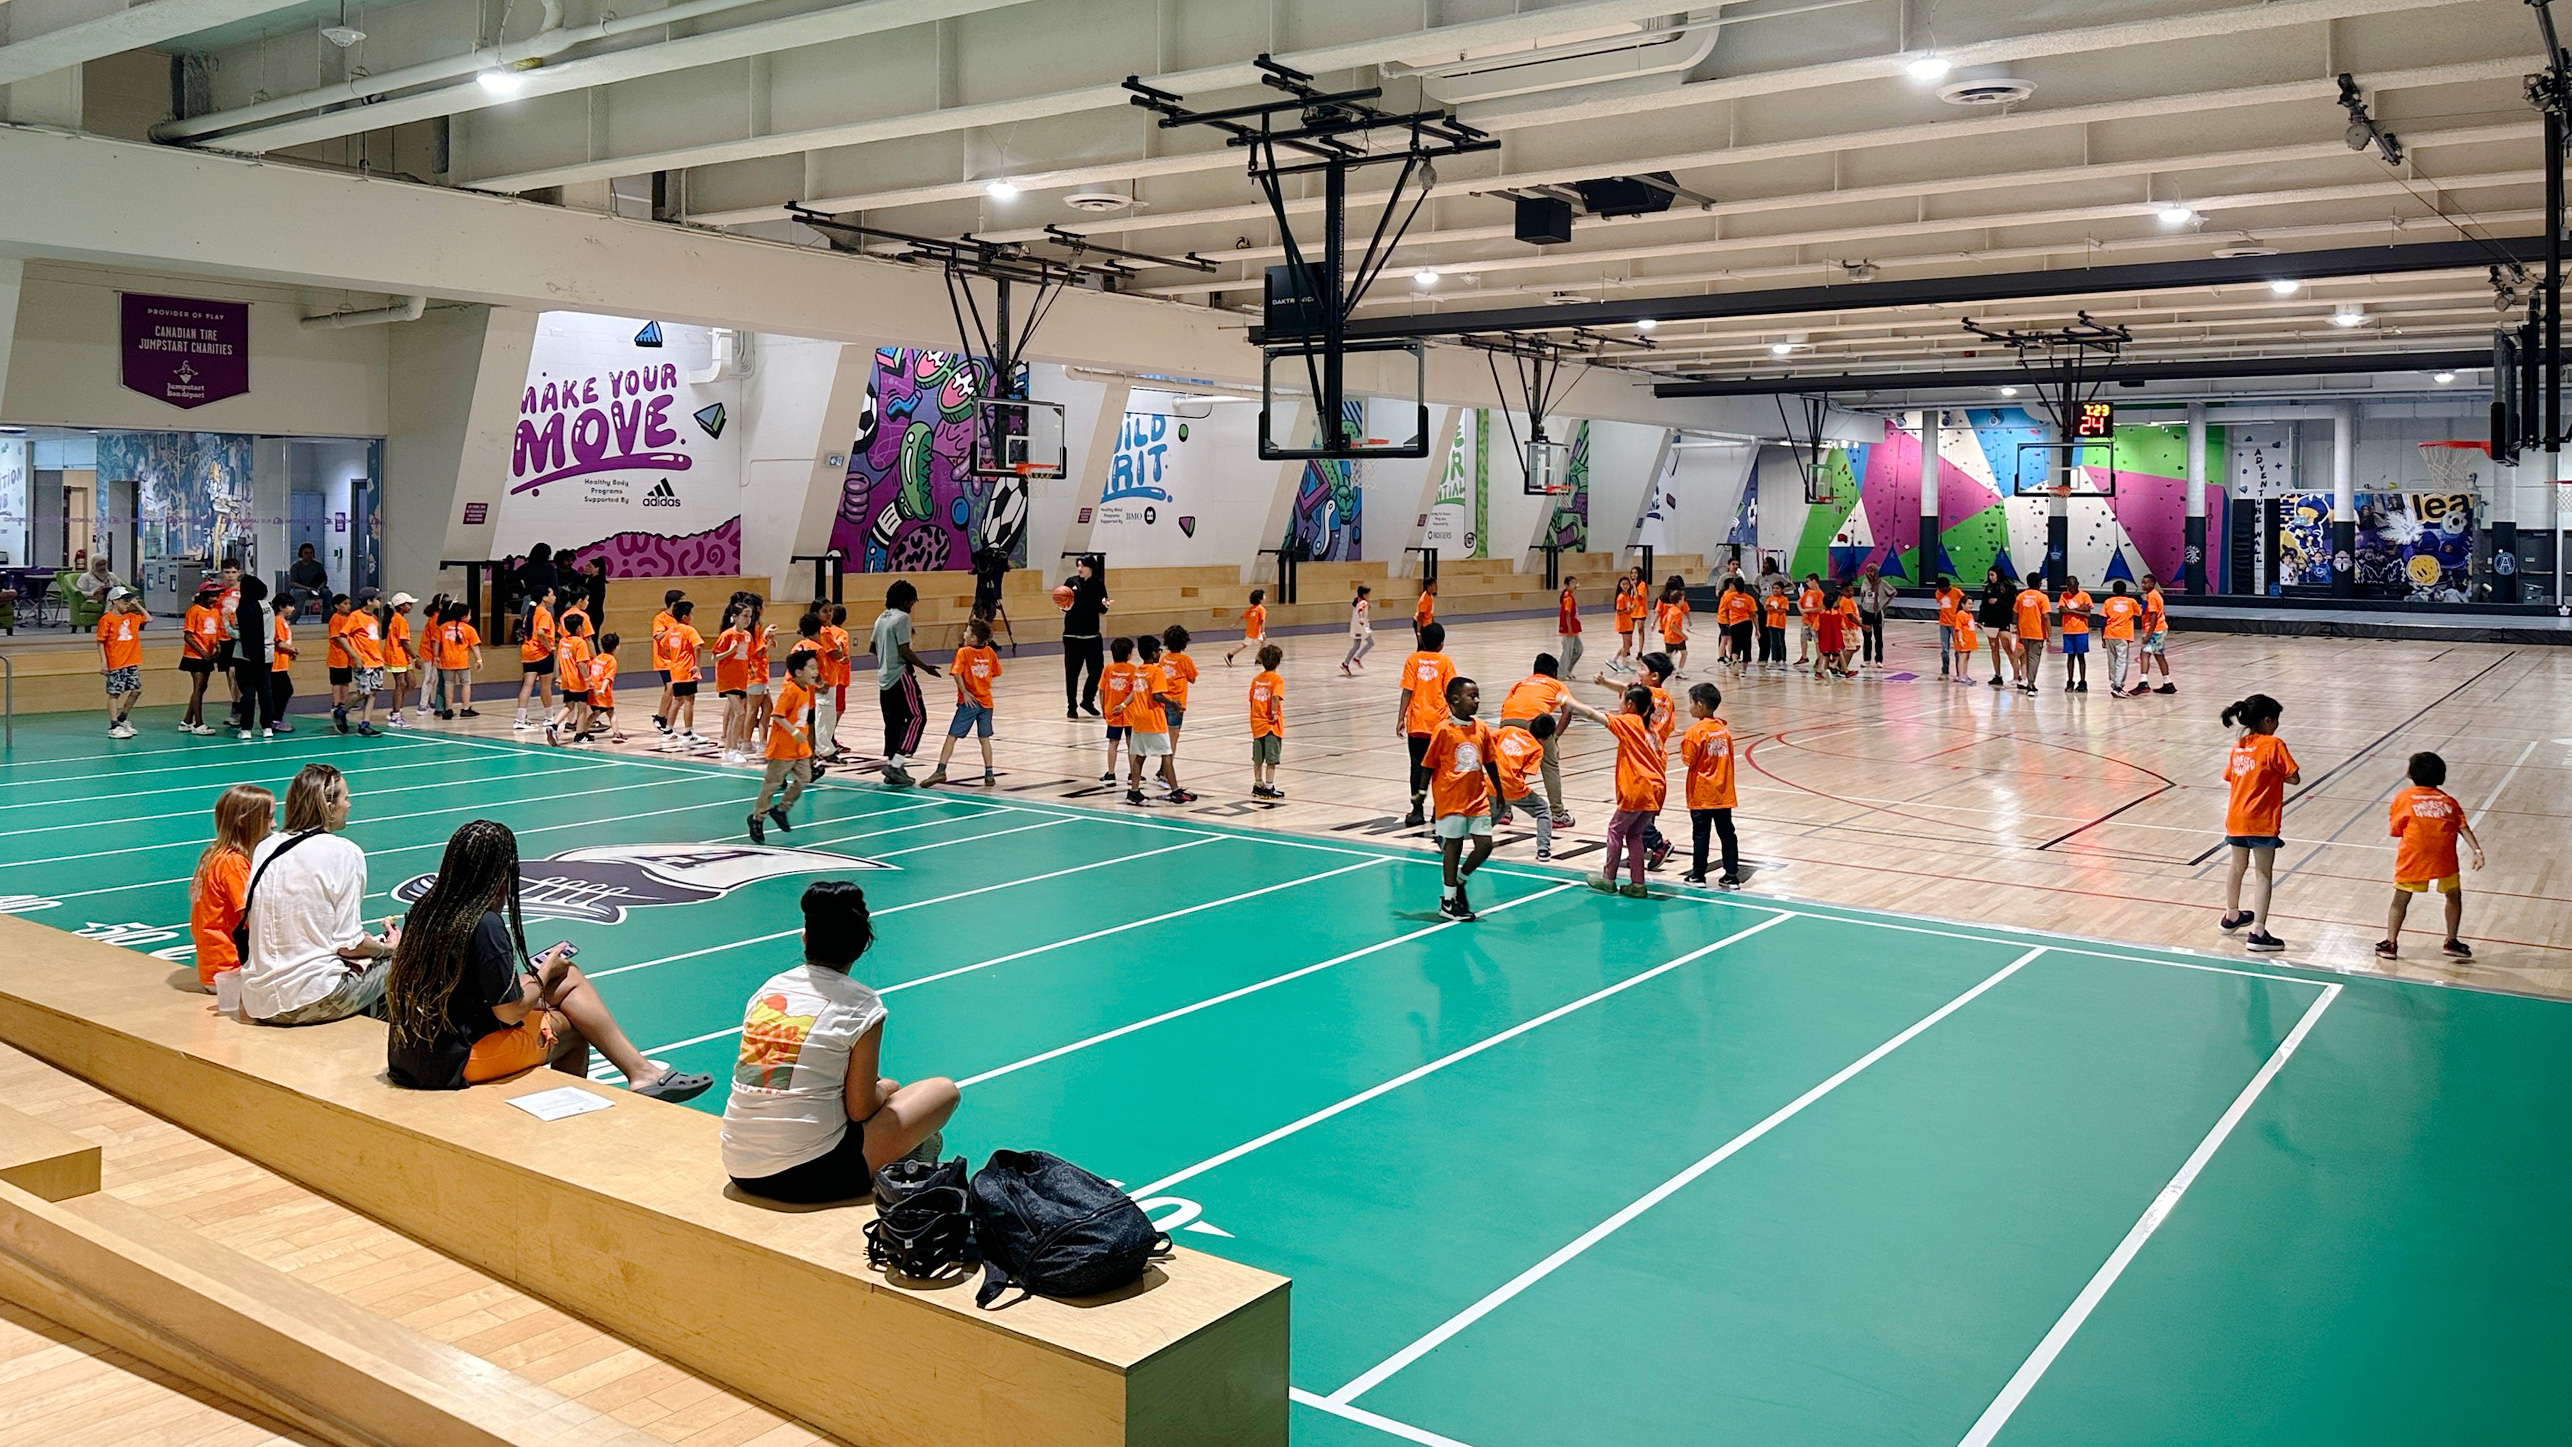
(2500, 501)
(2058, 518)
(2193, 561)
(2344, 500)
(1932, 424)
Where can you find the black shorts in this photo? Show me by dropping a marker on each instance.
(223, 655)
(542, 667)
(684, 690)
(196, 665)
(837, 1174)
(734, 693)
(340, 677)
(571, 697)
(665, 678)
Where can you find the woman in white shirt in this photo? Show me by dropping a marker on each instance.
(309, 958)
(1361, 630)
(809, 1121)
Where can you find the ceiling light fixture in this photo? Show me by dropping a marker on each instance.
(1929, 67)
(2349, 316)
(502, 83)
(1781, 349)
(2443, 378)
(2176, 214)
(2009, 391)
(1000, 190)
(1425, 276)
(342, 36)
(2286, 286)
(1645, 324)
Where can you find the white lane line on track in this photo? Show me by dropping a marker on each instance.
(1251, 989)
(1377, 1420)
(1079, 939)
(1442, 1062)
(2030, 1372)
(907, 904)
(1375, 1376)
(203, 809)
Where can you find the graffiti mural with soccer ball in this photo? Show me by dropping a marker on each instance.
(911, 502)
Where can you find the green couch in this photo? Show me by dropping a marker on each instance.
(78, 609)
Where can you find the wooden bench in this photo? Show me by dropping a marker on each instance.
(622, 1216)
(45, 1162)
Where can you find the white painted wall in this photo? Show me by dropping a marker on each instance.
(783, 400)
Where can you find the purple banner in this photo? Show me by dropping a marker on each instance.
(185, 351)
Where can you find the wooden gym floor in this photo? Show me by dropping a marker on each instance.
(1743, 1167)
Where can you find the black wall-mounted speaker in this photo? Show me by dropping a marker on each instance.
(1544, 221)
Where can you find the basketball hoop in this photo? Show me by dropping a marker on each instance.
(2458, 467)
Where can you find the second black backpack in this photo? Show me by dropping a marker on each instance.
(1049, 1228)
(922, 1227)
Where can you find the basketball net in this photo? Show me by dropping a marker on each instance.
(2453, 465)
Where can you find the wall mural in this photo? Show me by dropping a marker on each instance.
(1330, 502)
(1872, 515)
(1461, 513)
(192, 489)
(2413, 545)
(17, 518)
(617, 454)
(911, 502)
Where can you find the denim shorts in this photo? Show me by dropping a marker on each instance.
(973, 718)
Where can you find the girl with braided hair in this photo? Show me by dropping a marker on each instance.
(468, 1006)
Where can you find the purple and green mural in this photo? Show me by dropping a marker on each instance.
(1330, 503)
(1873, 513)
(1569, 527)
(912, 503)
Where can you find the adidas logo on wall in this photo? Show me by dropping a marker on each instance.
(661, 495)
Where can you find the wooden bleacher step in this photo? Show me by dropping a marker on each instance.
(212, 1316)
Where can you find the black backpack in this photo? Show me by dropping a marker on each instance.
(922, 1228)
(1049, 1228)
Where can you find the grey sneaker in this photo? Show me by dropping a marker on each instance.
(896, 777)
(928, 1151)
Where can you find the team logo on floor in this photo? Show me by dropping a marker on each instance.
(598, 886)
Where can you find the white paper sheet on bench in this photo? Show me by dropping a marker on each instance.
(560, 1104)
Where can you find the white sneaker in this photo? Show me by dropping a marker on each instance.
(187, 728)
(733, 756)
(264, 733)
(521, 726)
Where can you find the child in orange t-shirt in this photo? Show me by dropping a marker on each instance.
(789, 753)
(662, 622)
(1463, 780)
(1116, 685)
(732, 679)
(1267, 723)
(2428, 821)
(975, 666)
(1424, 612)
(459, 658)
(361, 635)
(1670, 614)
(1628, 603)
(1707, 750)
(2120, 614)
(201, 635)
(1773, 612)
(2077, 607)
(1181, 671)
(1809, 601)
(1425, 675)
(1147, 714)
(1642, 783)
(1737, 616)
(1254, 626)
(836, 673)
(602, 692)
(2258, 771)
(1951, 606)
(120, 653)
(397, 655)
(571, 679)
(222, 883)
(680, 646)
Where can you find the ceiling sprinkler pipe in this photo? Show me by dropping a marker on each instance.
(408, 309)
(550, 41)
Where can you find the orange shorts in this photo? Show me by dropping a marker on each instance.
(520, 1048)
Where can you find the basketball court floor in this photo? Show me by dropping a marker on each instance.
(1962, 1124)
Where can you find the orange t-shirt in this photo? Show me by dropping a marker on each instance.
(397, 642)
(1809, 602)
(1673, 617)
(284, 662)
(1707, 749)
(1267, 705)
(1629, 606)
(974, 669)
(1951, 604)
(120, 639)
(1533, 695)
(215, 898)
(1458, 783)
(455, 645)
(760, 639)
(1663, 716)
(1966, 641)
(2121, 612)
(732, 661)
(201, 632)
(540, 636)
(1773, 611)
(359, 636)
(336, 653)
(1254, 623)
(1848, 608)
(1734, 607)
(662, 623)
(683, 642)
(1426, 675)
(602, 681)
(790, 723)
(1424, 610)
(1520, 755)
(2032, 608)
(1642, 775)
(2076, 611)
(2154, 618)
(1143, 706)
(2427, 822)
(1182, 671)
(835, 666)
(1116, 685)
(571, 662)
(2257, 770)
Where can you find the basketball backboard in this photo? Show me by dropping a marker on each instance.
(1014, 437)
(2075, 469)
(1290, 427)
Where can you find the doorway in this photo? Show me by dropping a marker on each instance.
(80, 516)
